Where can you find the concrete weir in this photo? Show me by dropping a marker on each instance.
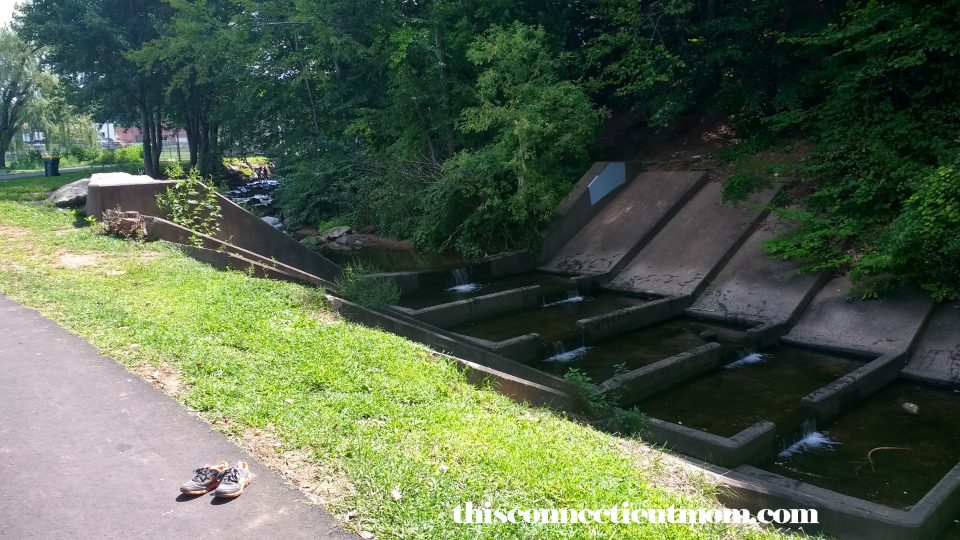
(635, 214)
(876, 327)
(696, 242)
(755, 288)
(937, 356)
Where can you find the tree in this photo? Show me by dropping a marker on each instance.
(536, 129)
(89, 43)
(20, 81)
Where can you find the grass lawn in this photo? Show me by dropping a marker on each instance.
(383, 432)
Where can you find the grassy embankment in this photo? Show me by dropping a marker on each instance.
(383, 432)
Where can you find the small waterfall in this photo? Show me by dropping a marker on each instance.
(559, 353)
(748, 358)
(572, 296)
(462, 283)
(810, 440)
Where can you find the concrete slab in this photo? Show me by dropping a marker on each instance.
(120, 179)
(695, 243)
(755, 288)
(625, 223)
(937, 357)
(92, 451)
(877, 327)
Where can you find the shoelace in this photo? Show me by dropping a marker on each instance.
(231, 475)
(203, 474)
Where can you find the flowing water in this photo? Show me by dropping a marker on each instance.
(726, 401)
(640, 348)
(462, 283)
(911, 452)
(572, 296)
(809, 440)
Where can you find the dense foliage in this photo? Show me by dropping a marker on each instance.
(461, 125)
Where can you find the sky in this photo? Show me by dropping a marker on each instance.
(6, 11)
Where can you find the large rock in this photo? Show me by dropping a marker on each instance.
(333, 234)
(72, 195)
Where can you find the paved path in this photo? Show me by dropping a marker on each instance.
(88, 450)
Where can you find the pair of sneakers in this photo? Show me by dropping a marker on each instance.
(224, 480)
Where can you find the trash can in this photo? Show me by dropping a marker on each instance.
(51, 166)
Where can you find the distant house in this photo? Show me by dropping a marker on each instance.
(122, 136)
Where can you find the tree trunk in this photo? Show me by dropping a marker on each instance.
(193, 138)
(5, 137)
(146, 127)
(157, 140)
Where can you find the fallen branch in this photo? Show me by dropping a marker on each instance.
(877, 449)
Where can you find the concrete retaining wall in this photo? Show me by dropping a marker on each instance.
(237, 226)
(525, 348)
(658, 376)
(134, 196)
(161, 229)
(631, 318)
(749, 446)
(828, 402)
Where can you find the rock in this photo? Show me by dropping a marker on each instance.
(708, 335)
(273, 222)
(72, 195)
(367, 229)
(910, 408)
(333, 234)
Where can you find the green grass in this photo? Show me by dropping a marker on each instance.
(375, 412)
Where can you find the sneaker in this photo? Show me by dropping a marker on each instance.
(233, 480)
(205, 479)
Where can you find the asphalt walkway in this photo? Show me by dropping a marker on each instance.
(89, 450)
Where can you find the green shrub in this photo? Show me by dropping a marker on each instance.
(83, 153)
(191, 204)
(923, 243)
(27, 160)
(358, 285)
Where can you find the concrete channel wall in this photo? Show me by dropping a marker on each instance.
(659, 376)
(839, 515)
(830, 401)
(624, 320)
(462, 311)
(485, 269)
(520, 382)
(750, 445)
(224, 255)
